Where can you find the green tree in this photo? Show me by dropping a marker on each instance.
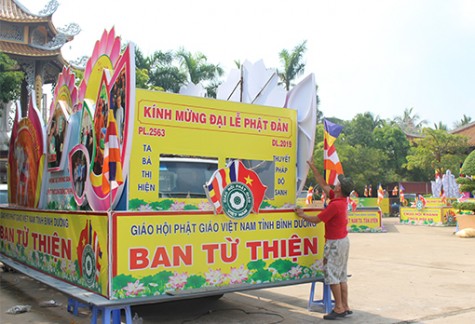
(436, 150)
(464, 121)
(10, 80)
(467, 178)
(79, 76)
(198, 69)
(410, 122)
(358, 153)
(212, 88)
(320, 116)
(141, 78)
(363, 164)
(466, 183)
(441, 126)
(360, 161)
(359, 131)
(141, 61)
(238, 64)
(142, 66)
(292, 65)
(319, 112)
(164, 75)
(317, 153)
(392, 141)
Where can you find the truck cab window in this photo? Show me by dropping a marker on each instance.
(184, 177)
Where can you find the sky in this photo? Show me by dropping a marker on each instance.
(378, 56)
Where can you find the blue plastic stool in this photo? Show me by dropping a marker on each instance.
(73, 306)
(326, 302)
(111, 312)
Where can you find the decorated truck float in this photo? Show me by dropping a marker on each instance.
(130, 193)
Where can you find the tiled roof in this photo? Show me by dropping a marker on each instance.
(467, 130)
(10, 11)
(25, 50)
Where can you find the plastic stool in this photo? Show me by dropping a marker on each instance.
(73, 306)
(107, 311)
(326, 302)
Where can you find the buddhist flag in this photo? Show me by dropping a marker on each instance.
(351, 204)
(380, 194)
(219, 180)
(401, 193)
(422, 201)
(112, 168)
(331, 163)
(442, 195)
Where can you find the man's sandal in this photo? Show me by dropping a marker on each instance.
(334, 315)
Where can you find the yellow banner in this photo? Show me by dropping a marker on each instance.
(364, 221)
(436, 202)
(428, 216)
(163, 253)
(71, 247)
(172, 125)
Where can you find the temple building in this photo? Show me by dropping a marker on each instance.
(467, 130)
(35, 44)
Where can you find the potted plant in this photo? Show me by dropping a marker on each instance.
(466, 181)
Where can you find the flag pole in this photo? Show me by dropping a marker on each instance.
(110, 193)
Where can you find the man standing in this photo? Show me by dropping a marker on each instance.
(337, 244)
(119, 118)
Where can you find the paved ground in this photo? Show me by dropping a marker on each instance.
(411, 274)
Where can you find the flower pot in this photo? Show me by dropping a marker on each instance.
(465, 221)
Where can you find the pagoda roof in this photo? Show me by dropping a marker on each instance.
(16, 49)
(53, 59)
(14, 11)
(24, 39)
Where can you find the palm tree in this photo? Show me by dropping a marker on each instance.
(409, 122)
(142, 66)
(320, 116)
(377, 122)
(197, 67)
(141, 61)
(238, 64)
(163, 75)
(440, 126)
(292, 64)
(464, 121)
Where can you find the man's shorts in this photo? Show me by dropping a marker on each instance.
(336, 255)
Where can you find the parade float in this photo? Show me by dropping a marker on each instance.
(365, 214)
(365, 220)
(436, 210)
(145, 196)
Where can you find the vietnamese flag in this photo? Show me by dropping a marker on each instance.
(234, 172)
(252, 180)
(84, 239)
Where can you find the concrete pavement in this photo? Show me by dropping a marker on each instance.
(410, 274)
